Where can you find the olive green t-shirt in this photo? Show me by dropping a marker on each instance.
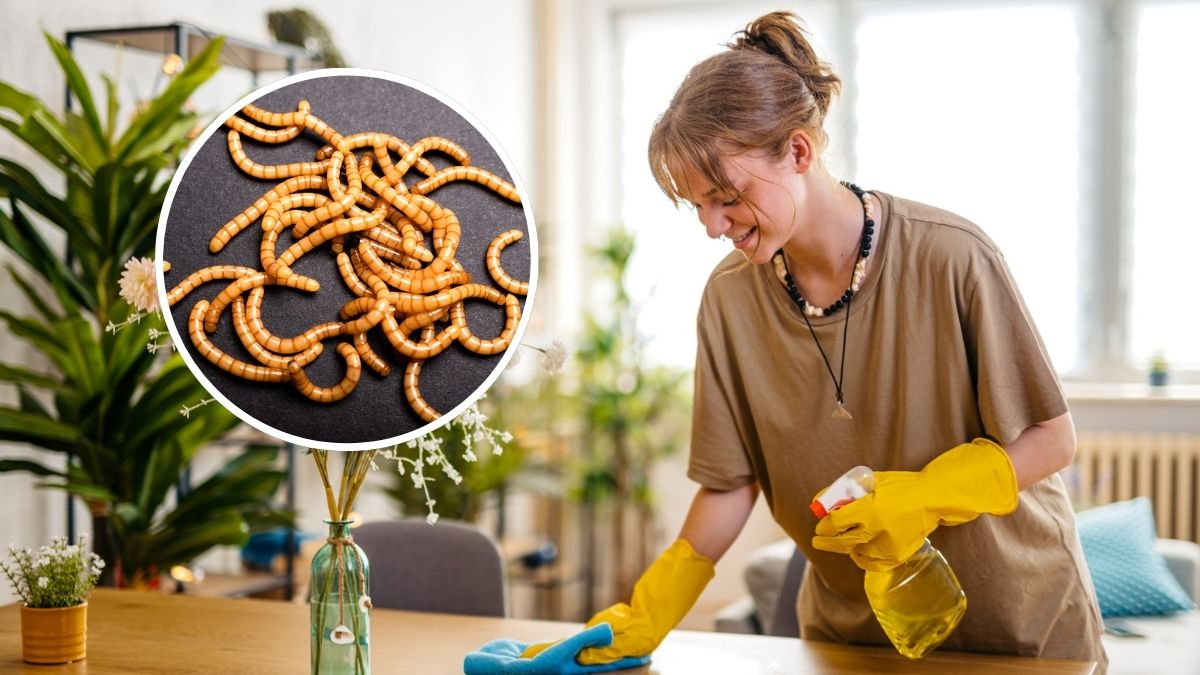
(941, 349)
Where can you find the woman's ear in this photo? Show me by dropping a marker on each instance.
(801, 150)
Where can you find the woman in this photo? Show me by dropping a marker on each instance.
(850, 328)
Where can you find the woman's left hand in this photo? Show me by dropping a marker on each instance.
(886, 527)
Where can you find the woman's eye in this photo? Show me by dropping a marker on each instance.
(732, 202)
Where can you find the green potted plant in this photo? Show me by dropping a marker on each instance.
(107, 404)
(53, 584)
(1159, 369)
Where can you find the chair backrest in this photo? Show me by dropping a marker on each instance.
(450, 567)
(785, 622)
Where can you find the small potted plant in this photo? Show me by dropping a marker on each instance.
(54, 584)
(1159, 369)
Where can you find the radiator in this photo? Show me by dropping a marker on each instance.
(1111, 467)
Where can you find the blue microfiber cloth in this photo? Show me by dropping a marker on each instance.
(503, 657)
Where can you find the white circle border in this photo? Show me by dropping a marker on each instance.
(219, 123)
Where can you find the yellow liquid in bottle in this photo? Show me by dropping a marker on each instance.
(919, 603)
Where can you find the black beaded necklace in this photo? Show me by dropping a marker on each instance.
(806, 309)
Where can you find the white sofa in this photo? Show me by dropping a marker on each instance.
(1160, 645)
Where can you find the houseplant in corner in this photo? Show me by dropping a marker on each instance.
(104, 402)
(54, 585)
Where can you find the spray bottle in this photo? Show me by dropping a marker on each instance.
(920, 602)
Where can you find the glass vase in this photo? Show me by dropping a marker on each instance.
(340, 620)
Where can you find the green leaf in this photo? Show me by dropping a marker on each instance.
(79, 86)
(10, 465)
(219, 529)
(84, 490)
(79, 340)
(42, 337)
(16, 100)
(35, 298)
(114, 107)
(20, 426)
(20, 182)
(165, 109)
(19, 375)
(49, 129)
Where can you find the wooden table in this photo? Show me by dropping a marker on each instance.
(132, 632)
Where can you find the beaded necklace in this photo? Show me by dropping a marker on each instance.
(807, 310)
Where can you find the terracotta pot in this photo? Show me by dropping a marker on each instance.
(57, 635)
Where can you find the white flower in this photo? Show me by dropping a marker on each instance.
(555, 357)
(469, 456)
(431, 518)
(138, 287)
(341, 635)
(43, 582)
(364, 603)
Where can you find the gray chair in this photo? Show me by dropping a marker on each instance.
(451, 567)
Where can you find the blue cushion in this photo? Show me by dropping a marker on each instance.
(1131, 578)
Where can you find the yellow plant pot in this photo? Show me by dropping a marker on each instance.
(57, 635)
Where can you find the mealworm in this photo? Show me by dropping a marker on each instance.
(368, 139)
(263, 135)
(400, 201)
(353, 282)
(222, 360)
(341, 203)
(412, 379)
(271, 172)
(242, 220)
(413, 350)
(325, 131)
(487, 347)
(243, 284)
(469, 173)
(260, 353)
(337, 228)
(338, 391)
(280, 345)
(409, 281)
(443, 145)
(271, 119)
(369, 357)
(428, 303)
(493, 263)
(166, 266)
(181, 290)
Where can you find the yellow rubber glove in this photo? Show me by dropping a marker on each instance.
(886, 527)
(661, 598)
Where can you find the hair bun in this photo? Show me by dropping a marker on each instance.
(781, 35)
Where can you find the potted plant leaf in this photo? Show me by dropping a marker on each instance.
(107, 404)
(54, 584)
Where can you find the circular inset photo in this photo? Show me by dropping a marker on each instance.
(347, 259)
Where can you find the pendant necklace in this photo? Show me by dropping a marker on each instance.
(807, 310)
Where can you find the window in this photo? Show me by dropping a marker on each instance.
(994, 111)
(1167, 147)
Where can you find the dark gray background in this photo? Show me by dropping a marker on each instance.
(213, 190)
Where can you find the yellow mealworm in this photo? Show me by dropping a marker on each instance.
(341, 203)
(401, 343)
(203, 276)
(412, 380)
(368, 320)
(243, 284)
(369, 357)
(392, 255)
(285, 345)
(338, 391)
(487, 347)
(271, 119)
(271, 172)
(242, 220)
(337, 228)
(325, 131)
(368, 139)
(273, 225)
(400, 201)
(222, 360)
(409, 281)
(166, 266)
(427, 144)
(260, 353)
(469, 173)
(353, 282)
(493, 263)
(263, 135)
(427, 303)
(377, 285)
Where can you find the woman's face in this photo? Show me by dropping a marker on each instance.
(761, 216)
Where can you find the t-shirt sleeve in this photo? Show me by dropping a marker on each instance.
(718, 456)
(1016, 384)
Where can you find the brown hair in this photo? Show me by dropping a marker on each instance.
(748, 98)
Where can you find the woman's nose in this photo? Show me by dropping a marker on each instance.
(716, 221)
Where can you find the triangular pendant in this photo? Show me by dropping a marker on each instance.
(841, 413)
